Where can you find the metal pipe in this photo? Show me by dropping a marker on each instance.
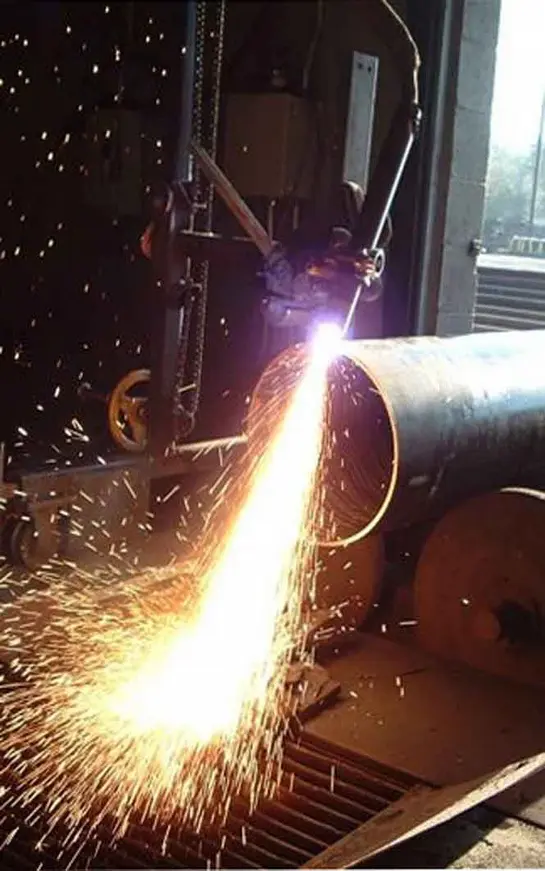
(234, 202)
(415, 424)
(183, 169)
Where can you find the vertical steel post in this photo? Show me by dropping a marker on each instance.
(169, 305)
(184, 162)
(537, 169)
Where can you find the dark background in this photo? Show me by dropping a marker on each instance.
(73, 284)
(75, 295)
(76, 300)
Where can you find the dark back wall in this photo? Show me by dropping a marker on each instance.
(73, 286)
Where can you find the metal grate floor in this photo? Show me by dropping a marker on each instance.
(324, 794)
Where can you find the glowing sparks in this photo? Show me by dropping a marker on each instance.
(226, 660)
(165, 705)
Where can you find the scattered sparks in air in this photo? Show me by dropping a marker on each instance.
(77, 748)
(72, 312)
(248, 589)
(165, 704)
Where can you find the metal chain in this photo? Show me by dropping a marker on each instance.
(218, 35)
(202, 216)
(198, 98)
(212, 140)
(182, 383)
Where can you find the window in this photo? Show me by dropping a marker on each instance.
(514, 218)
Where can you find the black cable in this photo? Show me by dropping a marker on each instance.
(312, 48)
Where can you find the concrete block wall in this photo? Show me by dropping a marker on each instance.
(466, 187)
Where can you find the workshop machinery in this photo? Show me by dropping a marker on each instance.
(437, 704)
(53, 511)
(420, 413)
(151, 413)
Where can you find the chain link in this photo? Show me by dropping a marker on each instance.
(219, 31)
(198, 98)
(210, 29)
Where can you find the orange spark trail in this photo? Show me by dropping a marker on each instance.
(166, 711)
(231, 645)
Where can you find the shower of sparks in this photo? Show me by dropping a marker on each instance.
(163, 702)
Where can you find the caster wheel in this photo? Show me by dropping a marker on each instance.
(24, 546)
(7, 523)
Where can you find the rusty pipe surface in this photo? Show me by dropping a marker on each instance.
(414, 424)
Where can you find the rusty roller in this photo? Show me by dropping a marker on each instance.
(416, 424)
(479, 594)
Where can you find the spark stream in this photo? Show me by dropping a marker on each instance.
(161, 709)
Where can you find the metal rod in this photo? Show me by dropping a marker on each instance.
(397, 179)
(184, 168)
(352, 310)
(387, 177)
(204, 447)
(537, 168)
(234, 202)
(401, 135)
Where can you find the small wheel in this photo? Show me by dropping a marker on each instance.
(128, 414)
(23, 545)
(7, 525)
(33, 542)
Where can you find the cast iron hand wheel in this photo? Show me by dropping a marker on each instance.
(128, 411)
